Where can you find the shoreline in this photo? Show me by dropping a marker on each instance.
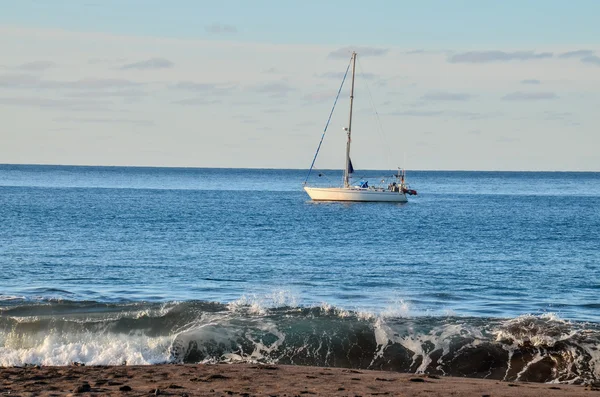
(257, 380)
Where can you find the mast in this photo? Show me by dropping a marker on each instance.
(349, 129)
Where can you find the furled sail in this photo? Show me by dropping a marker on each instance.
(350, 168)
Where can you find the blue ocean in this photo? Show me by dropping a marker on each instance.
(482, 274)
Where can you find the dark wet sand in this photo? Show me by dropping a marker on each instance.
(257, 380)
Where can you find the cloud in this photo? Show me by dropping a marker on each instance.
(497, 56)
(127, 93)
(18, 80)
(340, 75)
(271, 71)
(507, 139)
(97, 61)
(576, 54)
(90, 83)
(529, 96)
(209, 88)
(320, 96)
(95, 83)
(244, 118)
(418, 113)
(38, 102)
(472, 115)
(530, 81)
(196, 101)
(446, 114)
(275, 89)
(34, 102)
(425, 144)
(552, 115)
(346, 52)
(192, 86)
(273, 110)
(593, 59)
(36, 66)
(104, 121)
(446, 96)
(220, 28)
(149, 64)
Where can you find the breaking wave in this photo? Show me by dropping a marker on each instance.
(529, 348)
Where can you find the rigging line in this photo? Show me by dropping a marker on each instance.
(379, 124)
(327, 124)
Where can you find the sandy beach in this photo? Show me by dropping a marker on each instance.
(257, 380)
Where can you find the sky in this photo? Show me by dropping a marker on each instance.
(440, 85)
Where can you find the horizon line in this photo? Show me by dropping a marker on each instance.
(280, 169)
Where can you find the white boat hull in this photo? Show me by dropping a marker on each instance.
(354, 194)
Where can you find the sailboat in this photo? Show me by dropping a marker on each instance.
(395, 191)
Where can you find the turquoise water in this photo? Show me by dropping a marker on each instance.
(229, 264)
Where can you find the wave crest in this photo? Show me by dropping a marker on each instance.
(530, 348)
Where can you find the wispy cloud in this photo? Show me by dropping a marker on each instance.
(96, 83)
(36, 66)
(117, 93)
(418, 113)
(340, 75)
(273, 110)
(38, 102)
(244, 118)
(319, 96)
(530, 81)
(346, 52)
(193, 86)
(272, 71)
(529, 96)
(552, 115)
(472, 115)
(18, 80)
(90, 83)
(446, 96)
(221, 28)
(97, 61)
(497, 56)
(576, 54)
(211, 88)
(593, 59)
(34, 102)
(104, 121)
(149, 64)
(445, 114)
(274, 89)
(506, 139)
(196, 101)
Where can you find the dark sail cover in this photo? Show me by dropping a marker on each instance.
(350, 168)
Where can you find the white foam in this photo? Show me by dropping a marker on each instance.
(423, 344)
(11, 298)
(259, 304)
(226, 332)
(92, 349)
(545, 331)
(397, 308)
